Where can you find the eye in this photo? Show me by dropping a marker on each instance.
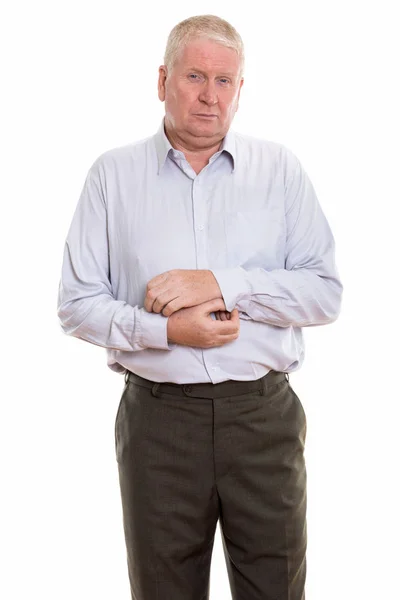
(224, 80)
(193, 76)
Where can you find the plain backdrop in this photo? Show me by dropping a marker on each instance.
(79, 78)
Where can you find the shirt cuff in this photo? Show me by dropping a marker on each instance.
(234, 286)
(153, 330)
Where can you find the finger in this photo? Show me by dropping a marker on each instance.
(154, 294)
(228, 327)
(223, 316)
(163, 297)
(226, 339)
(171, 307)
(148, 302)
(160, 302)
(217, 304)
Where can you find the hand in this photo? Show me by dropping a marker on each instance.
(180, 288)
(194, 326)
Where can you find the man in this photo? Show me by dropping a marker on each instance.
(195, 257)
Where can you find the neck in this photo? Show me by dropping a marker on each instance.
(192, 152)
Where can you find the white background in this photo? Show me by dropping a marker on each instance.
(79, 78)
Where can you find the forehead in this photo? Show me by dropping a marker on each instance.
(208, 55)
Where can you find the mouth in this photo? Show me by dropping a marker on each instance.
(204, 116)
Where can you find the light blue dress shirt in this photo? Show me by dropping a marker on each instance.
(251, 216)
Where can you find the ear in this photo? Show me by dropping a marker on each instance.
(162, 76)
(238, 96)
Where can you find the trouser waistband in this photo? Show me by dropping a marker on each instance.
(210, 390)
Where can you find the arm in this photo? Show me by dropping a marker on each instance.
(85, 306)
(308, 290)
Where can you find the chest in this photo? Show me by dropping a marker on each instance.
(221, 221)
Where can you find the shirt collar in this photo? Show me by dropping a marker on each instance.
(163, 146)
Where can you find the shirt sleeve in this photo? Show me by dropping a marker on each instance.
(308, 290)
(86, 307)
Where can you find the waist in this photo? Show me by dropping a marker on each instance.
(210, 390)
(251, 356)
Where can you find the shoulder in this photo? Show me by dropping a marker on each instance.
(267, 151)
(120, 158)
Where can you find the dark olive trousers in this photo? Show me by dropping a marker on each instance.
(191, 454)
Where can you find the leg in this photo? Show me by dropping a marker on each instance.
(170, 506)
(263, 495)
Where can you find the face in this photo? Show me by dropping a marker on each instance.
(201, 93)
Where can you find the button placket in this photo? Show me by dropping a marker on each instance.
(199, 216)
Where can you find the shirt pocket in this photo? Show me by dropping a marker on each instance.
(249, 238)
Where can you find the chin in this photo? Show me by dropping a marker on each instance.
(205, 128)
(206, 132)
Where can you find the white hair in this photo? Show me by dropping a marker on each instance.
(206, 26)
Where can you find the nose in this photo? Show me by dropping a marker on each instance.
(208, 93)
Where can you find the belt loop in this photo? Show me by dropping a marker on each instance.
(126, 376)
(154, 390)
(287, 377)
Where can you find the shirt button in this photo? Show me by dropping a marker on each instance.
(201, 227)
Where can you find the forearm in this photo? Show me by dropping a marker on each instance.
(281, 297)
(110, 323)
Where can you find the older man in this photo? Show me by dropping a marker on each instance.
(195, 257)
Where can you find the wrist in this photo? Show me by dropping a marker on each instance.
(170, 329)
(218, 291)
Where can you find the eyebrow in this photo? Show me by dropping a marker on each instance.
(225, 74)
